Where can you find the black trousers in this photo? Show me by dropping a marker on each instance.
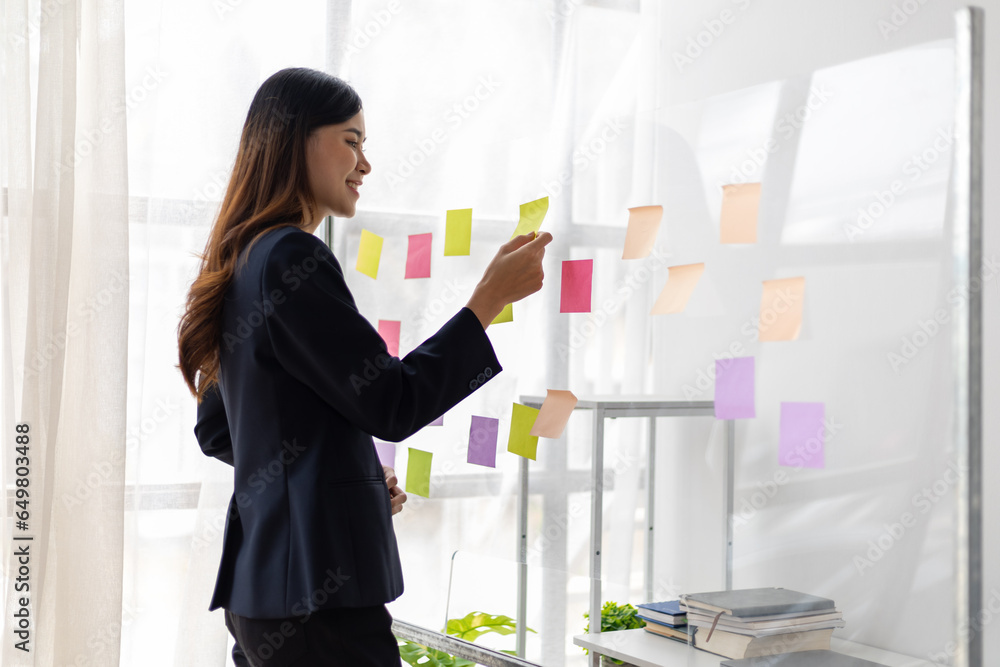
(359, 637)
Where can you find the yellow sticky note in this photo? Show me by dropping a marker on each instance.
(781, 309)
(506, 315)
(681, 282)
(555, 412)
(521, 442)
(369, 253)
(458, 232)
(418, 473)
(643, 226)
(532, 215)
(739, 213)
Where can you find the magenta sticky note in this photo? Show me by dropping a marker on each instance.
(386, 453)
(734, 388)
(577, 283)
(438, 422)
(802, 441)
(389, 330)
(483, 441)
(418, 256)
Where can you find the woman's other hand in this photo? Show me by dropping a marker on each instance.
(396, 495)
(514, 273)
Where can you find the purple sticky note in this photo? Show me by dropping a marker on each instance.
(389, 330)
(438, 422)
(386, 453)
(734, 385)
(483, 441)
(577, 285)
(418, 256)
(802, 435)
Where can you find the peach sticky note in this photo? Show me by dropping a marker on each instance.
(418, 473)
(643, 226)
(520, 441)
(506, 315)
(781, 309)
(369, 253)
(577, 285)
(739, 213)
(418, 256)
(680, 284)
(555, 412)
(458, 232)
(389, 330)
(532, 215)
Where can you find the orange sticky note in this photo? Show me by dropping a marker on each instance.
(739, 213)
(643, 226)
(555, 412)
(369, 253)
(676, 293)
(521, 442)
(781, 309)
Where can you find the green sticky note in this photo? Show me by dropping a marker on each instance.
(418, 473)
(532, 215)
(521, 442)
(369, 253)
(458, 232)
(506, 315)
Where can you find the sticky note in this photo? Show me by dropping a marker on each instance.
(418, 256)
(555, 412)
(681, 281)
(521, 442)
(389, 330)
(418, 473)
(532, 215)
(438, 422)
(506, 315)
(643, 226)
(577, 284)
(369, 253)
(386, 453)
(781, 309)
(802, 435)
(458, 232)
(734, 388)
(483, 441)
(739, 213)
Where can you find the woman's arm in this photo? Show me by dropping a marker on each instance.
(212, 427)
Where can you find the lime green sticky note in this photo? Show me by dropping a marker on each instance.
(506, 315)
(369, 253)
(521, 441)
(532, 215)
(458, 232)
(418, 473)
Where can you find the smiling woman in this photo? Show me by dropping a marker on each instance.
(337, 166)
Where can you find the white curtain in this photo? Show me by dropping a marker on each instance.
(65, 327)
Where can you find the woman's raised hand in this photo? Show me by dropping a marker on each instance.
(514, 273)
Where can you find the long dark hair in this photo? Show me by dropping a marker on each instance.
(269, 188)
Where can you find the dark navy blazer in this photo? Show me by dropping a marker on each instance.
(305, 382)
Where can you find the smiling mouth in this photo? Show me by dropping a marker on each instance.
(354, 185)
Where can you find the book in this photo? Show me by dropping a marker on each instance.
(755, 622)
(767, 632)
(664, 612)
(734, 645)
(683, 633)
(755, 602)
(802, 659)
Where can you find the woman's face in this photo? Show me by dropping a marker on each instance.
(336, 166)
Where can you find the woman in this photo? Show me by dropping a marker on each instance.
(293, 383)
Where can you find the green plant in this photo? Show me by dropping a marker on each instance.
(616, 617)
(470, 628)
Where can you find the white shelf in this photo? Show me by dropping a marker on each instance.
(648, 650)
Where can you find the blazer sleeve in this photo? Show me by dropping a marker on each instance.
(212, 427)
(321, 339)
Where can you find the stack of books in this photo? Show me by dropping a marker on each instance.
(760, 621)
(666, 619)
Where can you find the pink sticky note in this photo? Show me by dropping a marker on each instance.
(483, 441)
(418, 256)
(802, 435)
(386, 453)
(577, 284)
(734, 388)
(554, 414)
(438, 422)
(389, 330)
